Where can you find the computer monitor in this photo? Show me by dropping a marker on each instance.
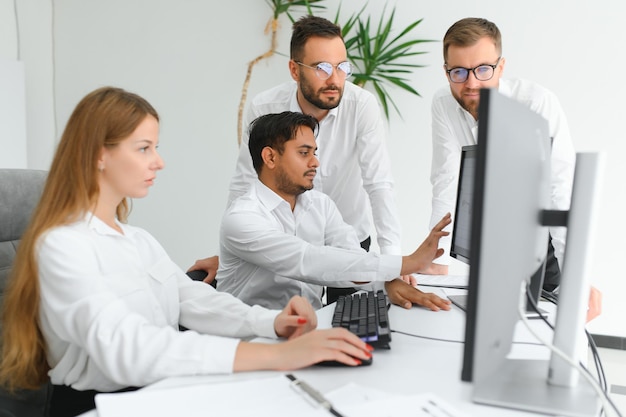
(461, 228)
(461, 232)
(508, 243)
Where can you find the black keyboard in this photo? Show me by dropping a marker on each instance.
(364, 314)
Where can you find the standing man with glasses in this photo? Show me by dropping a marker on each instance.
(355, 168)
(472, 53)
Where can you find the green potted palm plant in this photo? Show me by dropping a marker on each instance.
(380, 57)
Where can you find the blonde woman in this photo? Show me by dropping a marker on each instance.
(94, 304)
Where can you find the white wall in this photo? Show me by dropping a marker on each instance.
(36, 50)
(8, 30)
(189, 59)
(12, 114)
(26, 39)
(12, 93)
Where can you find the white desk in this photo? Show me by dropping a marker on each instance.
(412, 365)
(415, 365)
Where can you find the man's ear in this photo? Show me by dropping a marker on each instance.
(294, 70)
(268, 155)
(501, 65)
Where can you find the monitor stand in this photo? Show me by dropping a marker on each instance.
(552, 387)
(522, 385)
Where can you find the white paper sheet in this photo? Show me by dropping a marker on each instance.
(267, 396)
(271, 396)
(417, 405)
(448, 281)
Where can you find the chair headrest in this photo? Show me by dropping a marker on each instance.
(20, 190)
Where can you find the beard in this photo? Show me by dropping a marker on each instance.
(286, 186)
(468, 104)
(314, 97)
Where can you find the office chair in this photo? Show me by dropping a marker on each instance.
(199, 275)
(20, 190)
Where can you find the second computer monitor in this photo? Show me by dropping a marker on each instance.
(461, 230)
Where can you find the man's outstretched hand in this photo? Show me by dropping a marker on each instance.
(405, 295)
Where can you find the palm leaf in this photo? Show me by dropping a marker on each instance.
(380, 57)
(284, 6)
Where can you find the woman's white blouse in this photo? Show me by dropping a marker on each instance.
(111, 304)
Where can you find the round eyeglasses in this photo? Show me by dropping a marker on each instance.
(483, 72)
(324, 70)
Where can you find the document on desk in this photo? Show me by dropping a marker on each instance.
(445, 281)
(264, 396)
(416, 405)
(354, 400)
(269, 396)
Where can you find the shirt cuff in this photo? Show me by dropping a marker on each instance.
(390, 266)
(264, 321)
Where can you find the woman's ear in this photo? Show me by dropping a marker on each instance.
(101, 159)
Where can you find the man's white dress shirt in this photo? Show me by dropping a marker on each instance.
(111, 304)
(354, 162)
(269, 253)
(453, 127)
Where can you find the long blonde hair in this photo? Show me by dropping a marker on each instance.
(101, 119)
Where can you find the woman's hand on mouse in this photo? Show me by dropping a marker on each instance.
(336, 344)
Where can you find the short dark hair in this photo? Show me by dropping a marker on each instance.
(274, 130)
(468, 31)
(310, 26)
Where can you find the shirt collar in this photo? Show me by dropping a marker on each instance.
(271, 200)
(466, 115)
(332, 112)
(504, 88)
(102, 228)
(266, 196)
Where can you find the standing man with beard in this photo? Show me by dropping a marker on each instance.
(283, 238)
(355, 170)
(472, 53)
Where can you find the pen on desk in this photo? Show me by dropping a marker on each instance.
(434, 404)
(314, 394)
(427, 411)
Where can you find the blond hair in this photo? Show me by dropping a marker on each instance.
(101, 119)
(468, 31)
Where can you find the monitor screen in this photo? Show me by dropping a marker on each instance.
(461, 230)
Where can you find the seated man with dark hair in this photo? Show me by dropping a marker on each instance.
(283, 238)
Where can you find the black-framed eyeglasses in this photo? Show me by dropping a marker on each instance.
(324, 70)
(483, 72)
